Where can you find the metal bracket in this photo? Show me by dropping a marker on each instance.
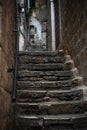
(10, 70)
(15, 30)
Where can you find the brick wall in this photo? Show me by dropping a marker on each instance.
(74, 32)
(7, 49)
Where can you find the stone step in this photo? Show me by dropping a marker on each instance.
(51, 107)
(42, 95)
(50, 85)
(48, 66)
(41, 67)
(40, 59)
(37, 46)
(75, 120)
(42, 53)
(47, 75)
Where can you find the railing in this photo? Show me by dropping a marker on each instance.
(19, 31)
(16, 58)
(20, 10)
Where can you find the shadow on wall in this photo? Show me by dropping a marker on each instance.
(74, 32)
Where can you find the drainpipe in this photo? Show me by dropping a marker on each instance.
(60, 22)
(52, 25)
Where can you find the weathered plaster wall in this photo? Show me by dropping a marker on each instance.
(7, 49)
(74, 32)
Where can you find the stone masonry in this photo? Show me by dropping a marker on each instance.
(7, 49)
(74, 32)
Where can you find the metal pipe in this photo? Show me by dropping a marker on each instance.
(28, 4)
(52, 25)
(60, 22)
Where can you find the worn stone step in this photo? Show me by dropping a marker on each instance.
(47, 75)
(38, 47)
(50, 85)
(42, 95)
(40, 67)
(40, 59)
(48, 66)
(43, 53)
(44, 78)
(51, 107)
(73, 72)
(75, 120)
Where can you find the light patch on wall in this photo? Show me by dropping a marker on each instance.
(37, 25)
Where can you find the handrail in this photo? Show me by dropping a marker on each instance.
(16, 60)
(19, 31)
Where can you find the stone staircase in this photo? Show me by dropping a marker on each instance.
(50, 93)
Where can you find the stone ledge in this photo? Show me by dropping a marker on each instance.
(51, 107)
(26, 74)
(41, 59)
(40, 120)
(59, 95)
(47, 85)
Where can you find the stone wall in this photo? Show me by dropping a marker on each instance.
(74, 32)
(57, 29)
(7, 49)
